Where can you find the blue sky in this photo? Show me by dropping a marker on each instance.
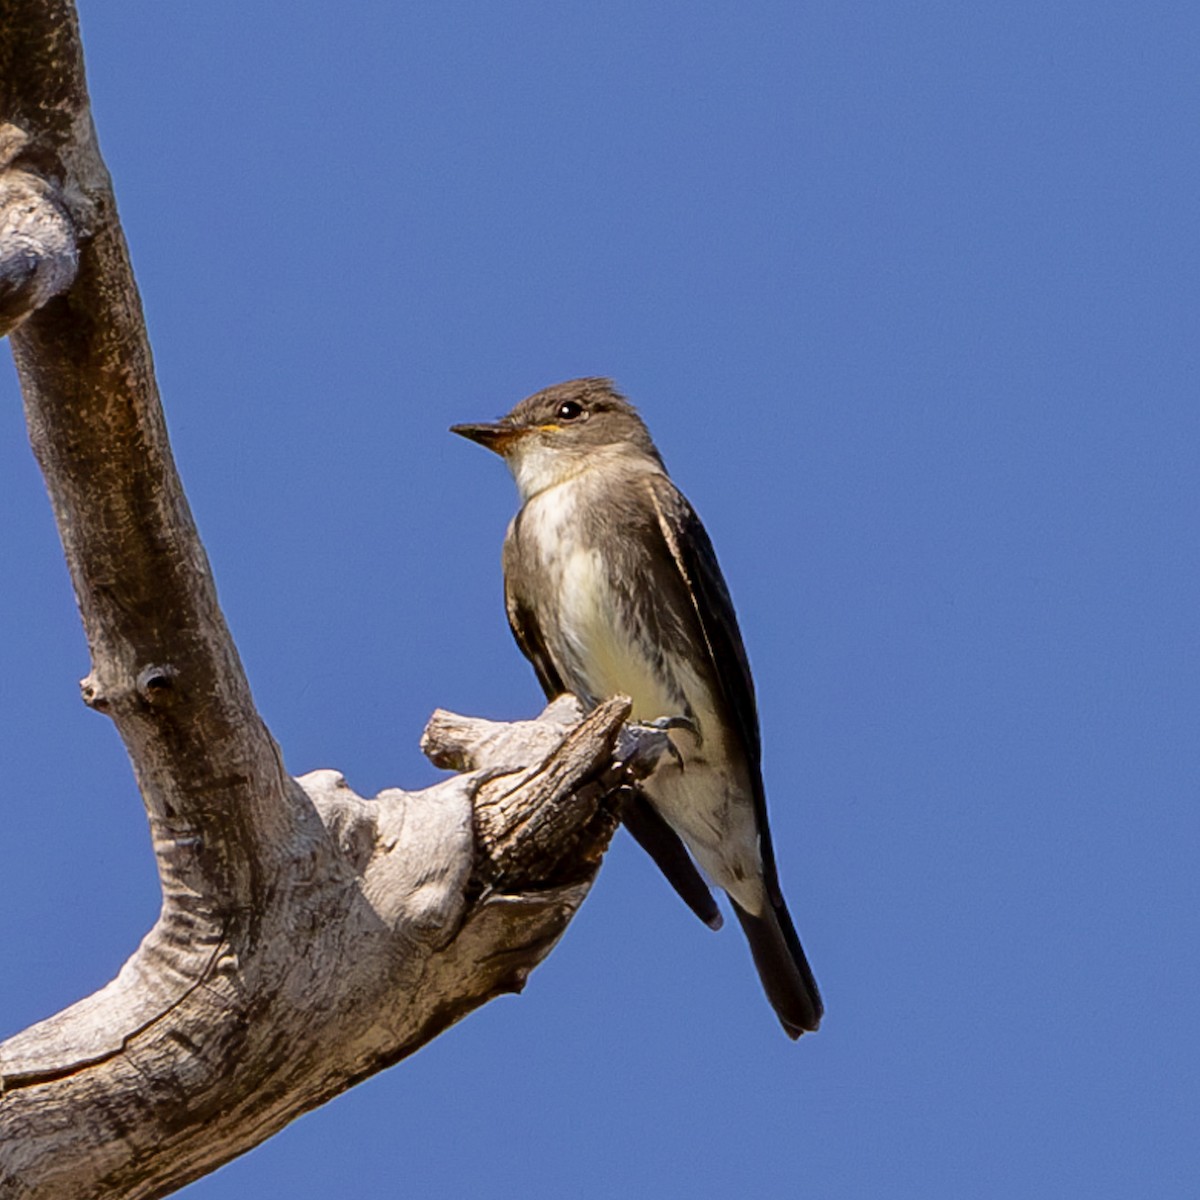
(908, 296)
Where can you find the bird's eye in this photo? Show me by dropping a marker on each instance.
(569, 410)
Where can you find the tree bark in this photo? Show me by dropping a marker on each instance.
(308, 937)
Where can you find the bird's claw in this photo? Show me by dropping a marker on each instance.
(666, 725)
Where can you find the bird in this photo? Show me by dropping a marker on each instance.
(612, 587)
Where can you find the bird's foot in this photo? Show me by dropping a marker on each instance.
(666, 725)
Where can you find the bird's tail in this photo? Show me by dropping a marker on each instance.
(786, 976)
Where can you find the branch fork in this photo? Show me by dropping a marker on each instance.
(308, 936)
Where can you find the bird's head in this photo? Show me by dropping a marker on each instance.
(556, 433)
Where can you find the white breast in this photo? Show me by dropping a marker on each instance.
(603, 655)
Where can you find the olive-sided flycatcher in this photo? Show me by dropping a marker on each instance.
(612, 587)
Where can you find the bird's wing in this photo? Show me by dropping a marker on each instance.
(522, 620)
(696, 560)
(528, 634)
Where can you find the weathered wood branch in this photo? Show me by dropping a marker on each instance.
(397, 918)
(308, 936)
(38, 257)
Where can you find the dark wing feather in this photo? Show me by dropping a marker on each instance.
(690, 547)
(529, 638)
(526, 630)
(778, 955)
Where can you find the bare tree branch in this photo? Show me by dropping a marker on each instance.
(308, 936)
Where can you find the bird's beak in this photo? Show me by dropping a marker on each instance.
(498, 437)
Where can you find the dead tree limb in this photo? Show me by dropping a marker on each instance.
(308, 936)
